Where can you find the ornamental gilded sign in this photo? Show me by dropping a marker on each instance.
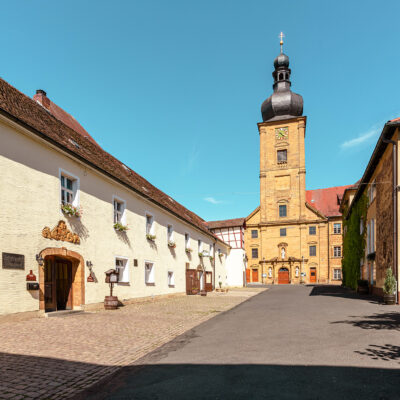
(61, 232)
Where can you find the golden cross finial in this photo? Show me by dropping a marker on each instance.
(281, 35)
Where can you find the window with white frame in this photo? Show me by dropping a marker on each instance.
(187, 241)
(337, 228)
(200, 245)
(211, 254)
(371, 236)
(337, 251)
(170, 233)
(171, 278)
(119, 210)
(69, 189)
(149, 273)
(149, 224)
(337, 274)
(122, 267)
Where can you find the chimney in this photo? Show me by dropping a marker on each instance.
(41, 97)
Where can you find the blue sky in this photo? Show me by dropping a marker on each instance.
(174, 88)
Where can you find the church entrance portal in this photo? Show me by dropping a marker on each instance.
(283, 276)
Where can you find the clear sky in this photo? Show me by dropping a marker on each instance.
(174, 88)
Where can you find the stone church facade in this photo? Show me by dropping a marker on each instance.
(295, 235)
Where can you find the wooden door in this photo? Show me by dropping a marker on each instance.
(283, 276)
(254, 275)
(63, 280)
(50, 303)
(247, 275)
(191, 280)
(313, 275)
(209, 286)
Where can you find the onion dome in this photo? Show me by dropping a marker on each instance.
(283, 103)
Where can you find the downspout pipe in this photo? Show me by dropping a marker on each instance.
(395, 234)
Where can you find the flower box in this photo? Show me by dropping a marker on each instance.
(201, 255)
(150, 237)
(188, 250)
(120, 227)
(172, 245)
(71, 210)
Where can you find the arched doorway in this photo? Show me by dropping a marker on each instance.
(283, 276)
(61, 280)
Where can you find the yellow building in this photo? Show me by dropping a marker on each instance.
(295, 235)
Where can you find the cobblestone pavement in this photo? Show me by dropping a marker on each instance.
(54, 358)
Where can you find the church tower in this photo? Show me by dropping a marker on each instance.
(283, 214)
(282, 154)
(294, 236)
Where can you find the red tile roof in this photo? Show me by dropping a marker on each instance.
(226, 223)
(36, 118)
(327, 201)
(60, 114)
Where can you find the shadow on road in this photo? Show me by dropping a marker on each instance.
(189, 381)
(389, 320)
(339, 291)
(387, 352)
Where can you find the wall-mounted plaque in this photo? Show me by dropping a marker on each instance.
(13, 261)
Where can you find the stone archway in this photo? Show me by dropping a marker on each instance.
(78, 275)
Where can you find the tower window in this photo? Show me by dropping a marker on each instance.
(282, 156)
(254, 253)
(280, 76)
(254, 234)
(312, 230)
(313, 251)
(282, 210)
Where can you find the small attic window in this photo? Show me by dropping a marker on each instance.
(145, 189)
(127, 168)
(171, 200)
(74, 143)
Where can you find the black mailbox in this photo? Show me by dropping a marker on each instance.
(32, 286)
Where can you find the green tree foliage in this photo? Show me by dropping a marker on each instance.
(354, 242)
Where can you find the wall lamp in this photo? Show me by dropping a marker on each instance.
(89, 264)
(39, 259)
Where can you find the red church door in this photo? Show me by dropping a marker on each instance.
(283, 276)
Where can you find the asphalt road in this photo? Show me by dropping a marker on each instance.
(290, 342)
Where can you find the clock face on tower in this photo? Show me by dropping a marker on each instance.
(281, 133)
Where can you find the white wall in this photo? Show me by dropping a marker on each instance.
(30, 201)
(235, 267)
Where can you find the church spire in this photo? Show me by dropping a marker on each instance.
(283, 103)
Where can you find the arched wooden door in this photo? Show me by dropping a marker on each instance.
(283, 276)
